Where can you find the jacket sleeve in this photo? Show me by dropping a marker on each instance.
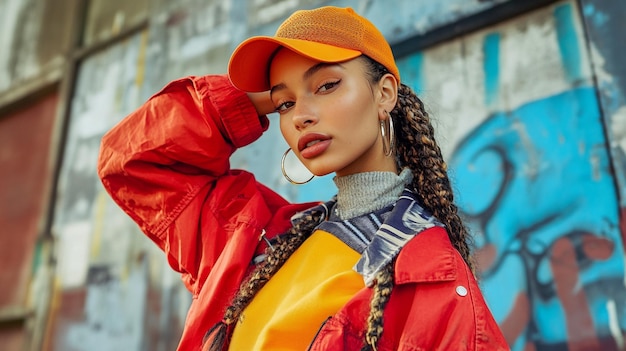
(163, 161)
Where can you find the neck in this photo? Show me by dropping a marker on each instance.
(362, 193)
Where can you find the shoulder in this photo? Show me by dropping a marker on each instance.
(428, 257)
(438, 298)
(436, 304)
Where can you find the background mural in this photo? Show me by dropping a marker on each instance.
(528, 99)
(534, 177)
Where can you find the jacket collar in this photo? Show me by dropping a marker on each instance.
(428, 257)
(420, 258)
(406, 221)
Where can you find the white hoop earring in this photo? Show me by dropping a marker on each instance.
(386, 130)
(282, 168)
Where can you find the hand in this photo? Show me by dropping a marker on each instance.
(262, 102)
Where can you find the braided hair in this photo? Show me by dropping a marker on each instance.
(416, 149)
(275, 257)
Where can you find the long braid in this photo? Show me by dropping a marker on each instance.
(275, 257)
(416, 149)
(380, 297)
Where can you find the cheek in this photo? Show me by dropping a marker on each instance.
(363, 119)
(287, 131)
(360, 106)
(370, 130)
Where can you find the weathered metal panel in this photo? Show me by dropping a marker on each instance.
(114, 289)
(12, 338)
(516, 109)
(25, 136)
(606, 28)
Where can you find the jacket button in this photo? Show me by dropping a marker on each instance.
(461, 290)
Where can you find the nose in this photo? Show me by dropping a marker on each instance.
(304, 116)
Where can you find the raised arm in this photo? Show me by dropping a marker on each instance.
(162, 163)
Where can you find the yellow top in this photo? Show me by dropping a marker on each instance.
(314, 283)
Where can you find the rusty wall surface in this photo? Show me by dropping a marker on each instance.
(25, 174)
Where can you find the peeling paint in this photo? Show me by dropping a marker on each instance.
(619, 128)
(614, 325)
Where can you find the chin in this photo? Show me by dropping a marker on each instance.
(321, 171)
(316, 167)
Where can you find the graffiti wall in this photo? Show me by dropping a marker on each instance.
(518, 113)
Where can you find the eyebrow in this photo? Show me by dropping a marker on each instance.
(307, 74)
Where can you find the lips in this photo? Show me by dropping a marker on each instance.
(313, 144)
(310, 139)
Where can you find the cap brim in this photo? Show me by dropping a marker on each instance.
(248, 68)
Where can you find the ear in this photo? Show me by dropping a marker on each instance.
(388, 94)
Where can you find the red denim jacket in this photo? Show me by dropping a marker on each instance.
(167, 166)
(435, 305)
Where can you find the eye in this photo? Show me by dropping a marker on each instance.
(284, 106)
(328, 86)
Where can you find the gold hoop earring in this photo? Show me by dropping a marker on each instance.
(386, 130)
(282, 168)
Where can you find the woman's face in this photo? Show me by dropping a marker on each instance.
(330, 113)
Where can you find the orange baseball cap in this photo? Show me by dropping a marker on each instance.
(327, 34)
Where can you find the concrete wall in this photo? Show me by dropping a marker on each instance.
(527, 98)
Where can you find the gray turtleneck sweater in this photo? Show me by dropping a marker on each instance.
(363, 193)
(363, 202)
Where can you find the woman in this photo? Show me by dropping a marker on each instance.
(384, 265)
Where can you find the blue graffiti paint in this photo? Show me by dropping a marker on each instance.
(412, 68)
(568, 42)
(528, 178)
(481, 169)
(599, 18)
(491, 67)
